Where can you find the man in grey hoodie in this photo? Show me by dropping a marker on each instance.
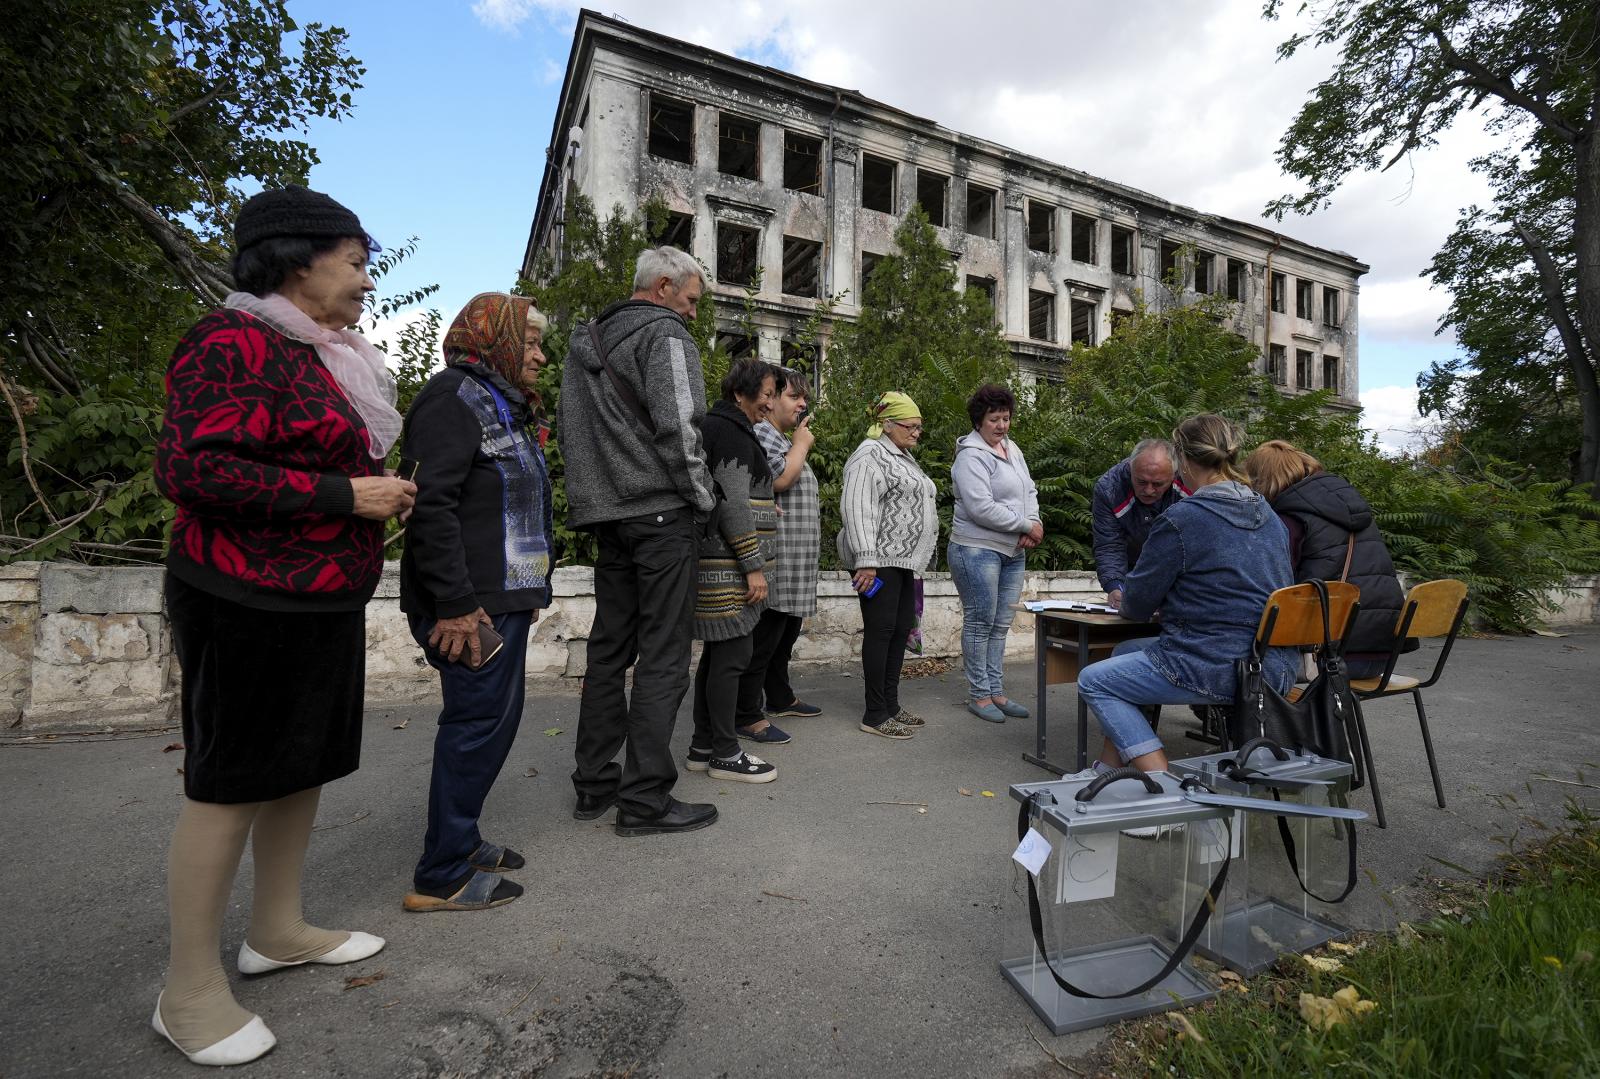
(628, 424)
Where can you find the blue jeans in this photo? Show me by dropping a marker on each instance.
(1117, 688)
(989, 584)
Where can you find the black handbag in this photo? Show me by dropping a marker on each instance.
(1321, 721)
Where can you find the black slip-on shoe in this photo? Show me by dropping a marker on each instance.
(678, 817)
(591, 806)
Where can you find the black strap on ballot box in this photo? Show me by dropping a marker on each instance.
(1235, 768)
(1201, 916)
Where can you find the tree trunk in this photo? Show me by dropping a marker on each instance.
(1586, 245)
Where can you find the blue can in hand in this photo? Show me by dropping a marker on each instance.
(873, 588)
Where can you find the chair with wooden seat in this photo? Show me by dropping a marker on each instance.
(1432, 609)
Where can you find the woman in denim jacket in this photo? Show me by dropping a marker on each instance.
(1208, 567)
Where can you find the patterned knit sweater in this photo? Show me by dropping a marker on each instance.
(888, 511)
(744, 535)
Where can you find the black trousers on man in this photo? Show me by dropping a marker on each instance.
(644, 581)
(772, 644)
(887, 620)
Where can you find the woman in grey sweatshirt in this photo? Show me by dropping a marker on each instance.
(996, 522)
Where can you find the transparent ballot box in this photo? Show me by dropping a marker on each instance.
(1289, 872)
(1118, 866)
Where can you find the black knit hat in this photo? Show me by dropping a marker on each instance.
(295, 211)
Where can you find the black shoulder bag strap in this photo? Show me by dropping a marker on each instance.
(1235, 769)
(624, 390)
(1202, 914)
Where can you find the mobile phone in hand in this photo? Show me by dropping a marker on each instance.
(489, 645)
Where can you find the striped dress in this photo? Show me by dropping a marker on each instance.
(744, 532)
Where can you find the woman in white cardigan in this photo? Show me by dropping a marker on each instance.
(890, 530)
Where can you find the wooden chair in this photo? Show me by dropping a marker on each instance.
(1432, 609)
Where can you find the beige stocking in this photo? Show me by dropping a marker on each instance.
(197, 1006)
(277, 927)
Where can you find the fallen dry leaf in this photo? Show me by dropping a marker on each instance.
(401, 725)
(924, 809)
(1324, 963)
(361, 981)
(963, 791)
(173, 747)
(1186, 1028)
(1344, 949)
(1229, 976)
(987, 794)
(551, 732)
(530, 773)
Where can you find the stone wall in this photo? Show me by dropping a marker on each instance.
(89, 648)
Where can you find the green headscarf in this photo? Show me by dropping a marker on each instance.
(891, 405)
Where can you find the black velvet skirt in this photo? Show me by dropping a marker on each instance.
(271, 699)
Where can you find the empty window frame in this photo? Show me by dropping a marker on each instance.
(1085, 320)
(1330, 373)
(738, 146)
(1204, 261)
(802, 163)
(802, 267)
(671, 132)
(984, 286)
(1237, 272)
(738, 254)
(737, 345)
(980, 211)
(1121, 250)
(1041, 227)
(1171, 266)
(869, 265)
(1277, 364)
(1330, 306)
(1280, 293)
(1084, 235)
(1302, 298)
(877, 184)
(1041, 315)
(1302, 368)
(676, 231)
(933, 192)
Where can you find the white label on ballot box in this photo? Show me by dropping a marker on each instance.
(1088, 867)
(1212, 835)
(1032, 852)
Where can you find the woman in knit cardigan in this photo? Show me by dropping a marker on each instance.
(890, 529)
(736, 554)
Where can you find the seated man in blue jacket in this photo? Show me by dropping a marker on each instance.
(1127, 501)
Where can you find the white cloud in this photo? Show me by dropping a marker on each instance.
(504, 14)
(387, 332)
(1390, 412)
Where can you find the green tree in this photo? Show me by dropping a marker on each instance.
(1406, 72)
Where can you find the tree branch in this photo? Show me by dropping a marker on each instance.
(203, 278)
(200, 102)
(22, 441)
(1503, 88)
(1556, 303)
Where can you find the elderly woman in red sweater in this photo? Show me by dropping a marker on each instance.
(277, 424)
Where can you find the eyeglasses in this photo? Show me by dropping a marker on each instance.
(913, 428)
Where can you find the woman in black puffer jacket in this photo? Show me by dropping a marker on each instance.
(1322, 512)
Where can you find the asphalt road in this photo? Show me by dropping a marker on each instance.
(809, 932)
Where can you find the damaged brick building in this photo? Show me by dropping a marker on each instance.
(801, 185)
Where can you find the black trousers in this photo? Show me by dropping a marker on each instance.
(644, 618)
(772, 644)
(887, 620)
(716, 695)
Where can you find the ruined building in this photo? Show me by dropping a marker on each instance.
(804, 184)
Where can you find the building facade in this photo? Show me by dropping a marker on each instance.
(789, 191)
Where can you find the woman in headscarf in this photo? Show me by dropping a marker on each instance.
(890, 530)
(478, 554)
(277, 424)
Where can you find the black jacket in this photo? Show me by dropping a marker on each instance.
(1327, 510)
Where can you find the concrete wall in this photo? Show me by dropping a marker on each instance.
(89, 648)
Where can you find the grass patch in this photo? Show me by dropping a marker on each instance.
(1505, 984)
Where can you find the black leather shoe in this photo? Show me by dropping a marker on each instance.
(591, 806)
(678, 817)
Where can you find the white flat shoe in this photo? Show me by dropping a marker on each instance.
(242, 1046)
(358, 947)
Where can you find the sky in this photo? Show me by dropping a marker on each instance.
(1185, 100)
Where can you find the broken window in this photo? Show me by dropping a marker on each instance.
(1330, 306)
(1085, 316)
(980, 211)
(1121, 250)
(984, 286)
(869, 263)
(1277, 364)
(1170, 270)
(1202, 271)
(1330, 373)
(802, 163)
(932, 191)
(738, 254)
(877, 184)
(1083, 239)
(1236, 278)
(1280, 293)
(1041, 315)
(802, 267)
(1302, 368)
(736, 344)
(677, 231)
(1041, 227)
(1302, 298)
(671, 128)
(738, 146)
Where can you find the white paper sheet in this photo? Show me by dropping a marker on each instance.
(1088, 867)
(1032, 852)
(1211, 835)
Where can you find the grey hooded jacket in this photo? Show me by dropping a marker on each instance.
(615, 468)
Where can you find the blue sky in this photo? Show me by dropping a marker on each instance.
(1186, 101)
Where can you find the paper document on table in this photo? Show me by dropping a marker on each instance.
(1036, 605)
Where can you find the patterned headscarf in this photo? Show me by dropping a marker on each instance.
(493, 330)
(891, 405)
